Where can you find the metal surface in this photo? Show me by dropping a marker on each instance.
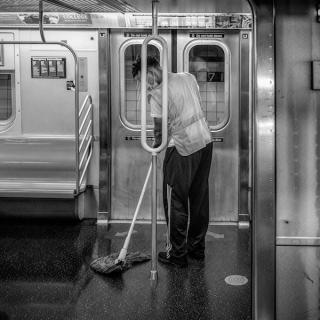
(224, 201)
(76, 74)
(37, 166)
(85, 137)
(264, 163)
(34, 177)
(61, 5)
(298, 241)
(298, 283)
(192, 6)
(245, 126)
(41, 21)
(84, 171)
(130, 161)
(164, 131)
(104, 125)
(155, 5)
(47, 107)
(243, 224)
(174, 51)
(154, 207)
(69, 5)
(224, 173)
(298, 134)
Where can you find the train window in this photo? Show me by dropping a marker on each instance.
(130, 88)
(209, 63)
(6, 94)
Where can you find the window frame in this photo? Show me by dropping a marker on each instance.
(138, 41)
(1, 54)
(227, 72)
(5, 124)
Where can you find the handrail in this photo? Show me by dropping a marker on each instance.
(84, 153)
(85, 134)
(88, 97)
(76, 75)
(57, 3)
(144, 143)
(41, 21)
(85, 167)
(85, 118)
(88, 112)
(154, 151)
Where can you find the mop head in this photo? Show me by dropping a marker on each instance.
(107, 265)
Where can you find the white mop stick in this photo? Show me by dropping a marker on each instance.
(123, 252)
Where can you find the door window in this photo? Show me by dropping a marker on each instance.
(209, 63)
(130, 88)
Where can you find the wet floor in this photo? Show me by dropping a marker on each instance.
(45, 274)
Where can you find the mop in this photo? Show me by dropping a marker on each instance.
(117, 263)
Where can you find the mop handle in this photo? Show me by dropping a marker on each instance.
(123, 251)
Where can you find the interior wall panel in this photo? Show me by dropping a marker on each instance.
(298, 191)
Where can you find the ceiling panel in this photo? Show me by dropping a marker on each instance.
(165, 6)
(194, 6)
(82, 5)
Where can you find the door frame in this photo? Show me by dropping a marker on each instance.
(264, 162)
(263, 218)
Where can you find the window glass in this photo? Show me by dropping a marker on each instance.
(132, 86)
(207, 64)
(5, 96)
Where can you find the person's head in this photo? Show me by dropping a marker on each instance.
(154, 72)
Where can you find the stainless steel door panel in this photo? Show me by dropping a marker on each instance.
(224, 174)
(130, 162)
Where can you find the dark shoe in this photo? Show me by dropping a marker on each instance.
(196, 255)
(178, 262)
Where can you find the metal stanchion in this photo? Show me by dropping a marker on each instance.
(154, 151)
(154, 273)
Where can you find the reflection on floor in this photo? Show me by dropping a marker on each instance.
(45, 274)
(298, 282)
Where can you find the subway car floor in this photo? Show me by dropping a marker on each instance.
(45, 274)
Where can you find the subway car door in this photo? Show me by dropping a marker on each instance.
(214, 59)
(130, 162)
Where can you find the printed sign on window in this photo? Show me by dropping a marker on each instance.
(215, 77)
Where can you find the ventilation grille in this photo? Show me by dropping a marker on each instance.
(84, 6)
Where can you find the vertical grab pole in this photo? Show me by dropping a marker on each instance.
(154, 272)
(155, 17)
(154, 151)
(41, 21)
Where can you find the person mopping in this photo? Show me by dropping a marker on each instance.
(186, 164)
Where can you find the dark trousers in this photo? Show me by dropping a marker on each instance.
(185, 181)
